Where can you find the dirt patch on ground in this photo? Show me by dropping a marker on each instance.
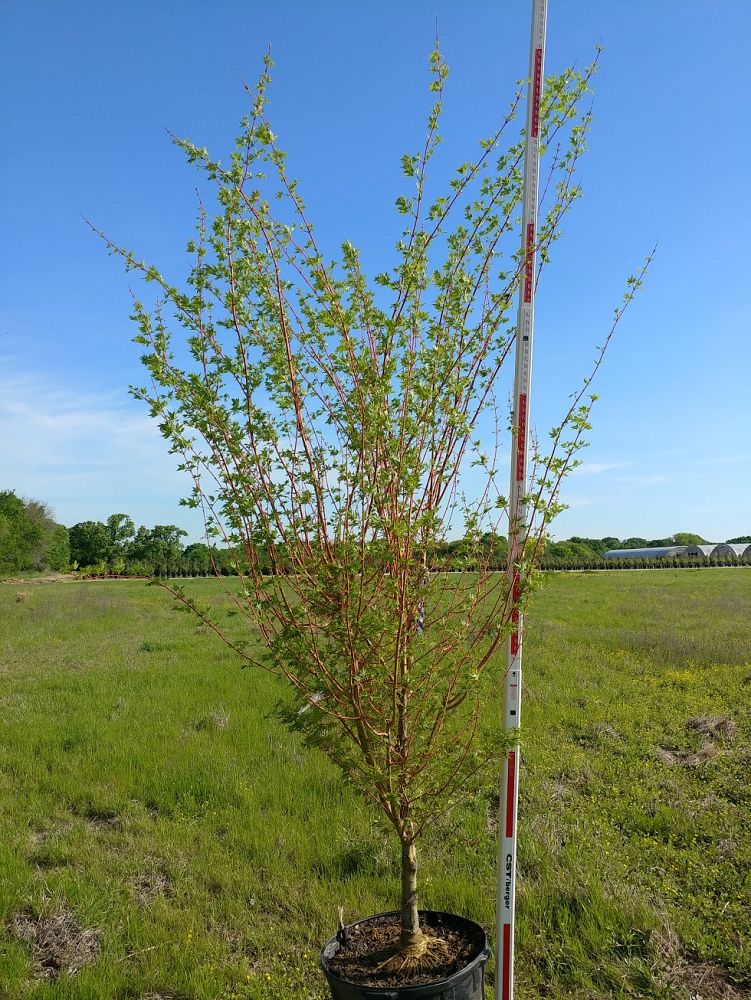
(727, 847)
(217, 719)
(35, 580)
(699, 980)
(45, 834)
(707, 982)
(163, 996)
(151, 884)
(606, 732)
(98, 817)
(58, 942)
(686, 758)
(244, 948)
(714, 727)
(564, 786)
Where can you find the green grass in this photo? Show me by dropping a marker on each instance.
(146, 789)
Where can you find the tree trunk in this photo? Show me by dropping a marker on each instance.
(410, 929)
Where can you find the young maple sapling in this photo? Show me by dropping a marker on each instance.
(339, 428)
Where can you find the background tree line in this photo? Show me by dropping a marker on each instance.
(579, 553)
(31, 540)
(29, 537)
(115, 546)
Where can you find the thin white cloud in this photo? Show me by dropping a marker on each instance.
(87, 455)
(742, 460)
(576, 502)
(597, 468)
(648, 479)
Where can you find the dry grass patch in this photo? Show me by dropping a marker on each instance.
(686, 758)
(714, 727)
(696, 980)
(150, 885)
(58, 942)
(163, 996)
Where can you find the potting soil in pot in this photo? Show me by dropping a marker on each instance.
(371, 943)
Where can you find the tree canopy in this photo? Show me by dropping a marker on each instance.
(30, 539)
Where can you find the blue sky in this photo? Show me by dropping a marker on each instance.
(89, 88)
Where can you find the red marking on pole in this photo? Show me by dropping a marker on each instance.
(510, 789)
(529, 253)
(514, 643)
(506, 962)
(536, 90)
(521, 437)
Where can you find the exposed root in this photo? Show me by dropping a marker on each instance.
(421, 955)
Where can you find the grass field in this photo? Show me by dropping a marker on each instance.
(163, 837)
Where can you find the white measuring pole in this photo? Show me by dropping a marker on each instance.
(518, 513)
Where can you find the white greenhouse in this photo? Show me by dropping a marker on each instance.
(711, 550)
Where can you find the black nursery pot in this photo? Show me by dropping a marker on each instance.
(466, 984)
